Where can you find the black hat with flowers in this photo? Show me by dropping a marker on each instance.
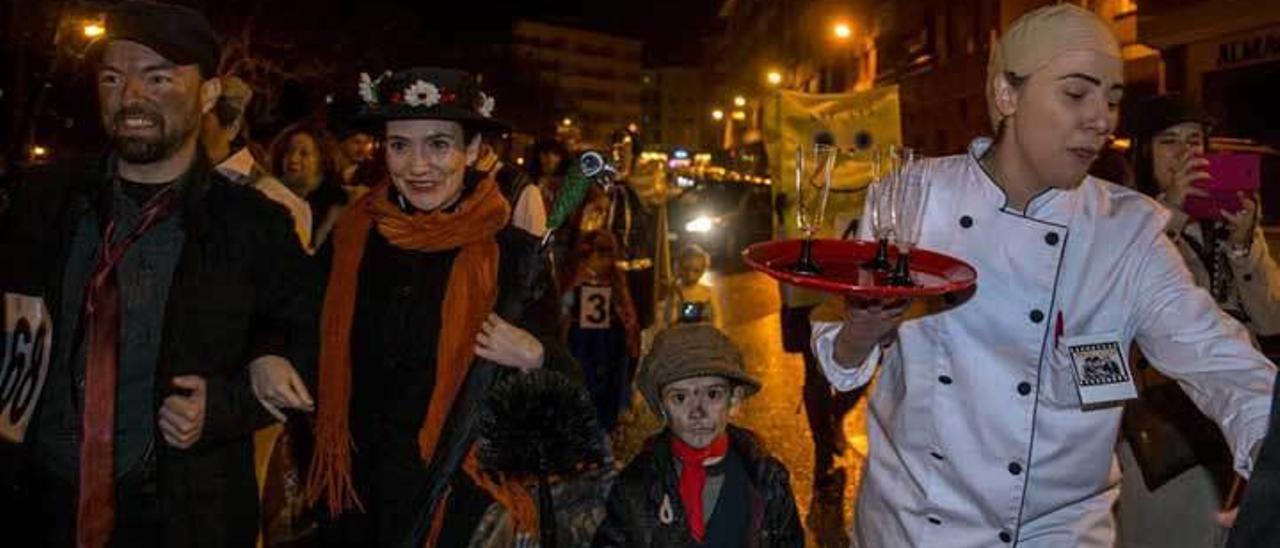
(427, 94)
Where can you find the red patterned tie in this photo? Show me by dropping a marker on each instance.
(96, 512)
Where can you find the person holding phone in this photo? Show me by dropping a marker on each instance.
(994, 416)
(1177, 468)
(1226, 253)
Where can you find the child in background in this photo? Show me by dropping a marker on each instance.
(603, 330)
(691, 300)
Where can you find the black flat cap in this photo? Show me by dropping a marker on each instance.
(178, 33)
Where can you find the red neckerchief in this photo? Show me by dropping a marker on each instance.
(693, 477)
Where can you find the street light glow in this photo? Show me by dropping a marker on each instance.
(739, 115)
(94, 30)
(739, 101)
(842, 30)
(38, 151)
(567, 122)
(774, 77)
(717, 115)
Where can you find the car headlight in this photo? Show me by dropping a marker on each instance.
(700, 224)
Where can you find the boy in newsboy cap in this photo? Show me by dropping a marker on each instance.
(701, 481)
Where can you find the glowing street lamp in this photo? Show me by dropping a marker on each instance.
(38, 152)
(842, 30)
(567, 122)
(739, 101)
(717, 115)
(739, 115)
(774, 77)
(93, 30)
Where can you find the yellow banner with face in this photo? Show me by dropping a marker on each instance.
(857, 123)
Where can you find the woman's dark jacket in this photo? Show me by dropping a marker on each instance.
(395, 334)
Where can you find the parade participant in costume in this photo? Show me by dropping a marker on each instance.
(632, 224)
(702, 481)
(304, 156)
(1177, 467)
(691, 300)
(170, 287)
(225, 135)
(992, 421)
(603, 335)
(417, 266)
(548, 163)
(528, 209)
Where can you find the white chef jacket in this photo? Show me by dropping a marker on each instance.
(977, 434)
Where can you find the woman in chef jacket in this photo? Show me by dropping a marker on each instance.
(995, 414)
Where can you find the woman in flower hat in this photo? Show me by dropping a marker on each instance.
(416, 268)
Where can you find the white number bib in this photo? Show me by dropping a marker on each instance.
(594, 308)
(24, 362)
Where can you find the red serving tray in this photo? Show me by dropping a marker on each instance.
(842, 272)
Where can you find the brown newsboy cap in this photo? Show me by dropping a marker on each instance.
(687, 351)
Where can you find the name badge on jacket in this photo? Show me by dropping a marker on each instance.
(1101, 369)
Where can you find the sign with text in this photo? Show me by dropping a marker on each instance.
(24, 362)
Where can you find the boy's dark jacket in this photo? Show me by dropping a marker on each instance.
(634, 504)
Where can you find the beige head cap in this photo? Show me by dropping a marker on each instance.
(1039, 36)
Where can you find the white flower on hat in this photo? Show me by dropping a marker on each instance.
(367, 91)
(422, 94)
(486, 105)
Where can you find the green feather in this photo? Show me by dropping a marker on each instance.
(570, 197)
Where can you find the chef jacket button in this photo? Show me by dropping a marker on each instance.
(966, 221)
(935, 521)
(936, 455)
(944, 379)
(1024, 388)
(1015, 468)
(1037, 316)
(1005, 536)
(1051, 238)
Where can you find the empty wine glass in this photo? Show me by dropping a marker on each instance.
(814, 164)
(880, 202)
(911, 192)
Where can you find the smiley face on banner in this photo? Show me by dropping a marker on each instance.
(856, 123)
(24, 362)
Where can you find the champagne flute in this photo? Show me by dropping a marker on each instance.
(912, 193)
(814, 165)
(879, 199)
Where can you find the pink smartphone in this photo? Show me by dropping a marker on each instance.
(1230, 174)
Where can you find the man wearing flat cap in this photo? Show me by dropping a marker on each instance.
(701, 481)
(171, 290)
